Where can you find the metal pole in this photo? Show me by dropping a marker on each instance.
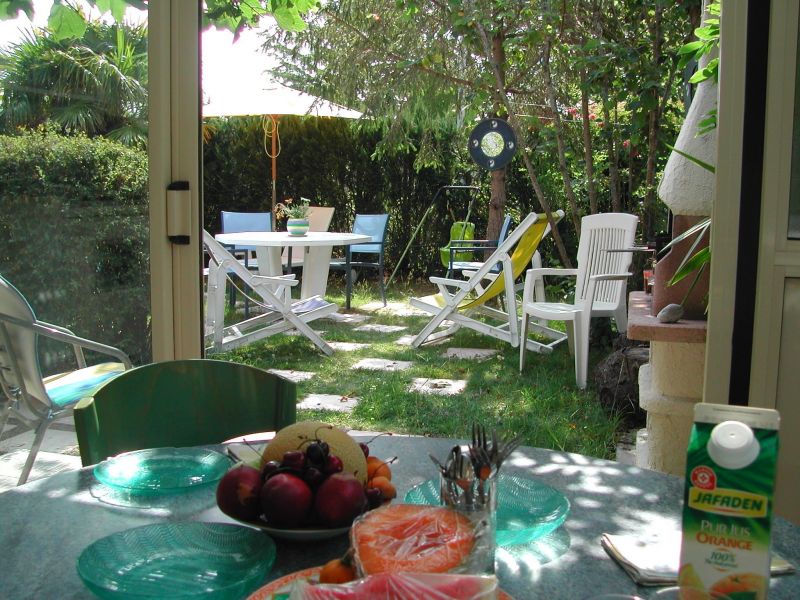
(274, 163)
(422, 220)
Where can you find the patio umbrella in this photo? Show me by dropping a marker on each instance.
(234, 84)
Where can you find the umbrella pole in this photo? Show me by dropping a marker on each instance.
(274, 162)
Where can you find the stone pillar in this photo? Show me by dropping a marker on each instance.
(670, 385)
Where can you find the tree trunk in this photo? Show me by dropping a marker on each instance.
(497, 203)
(613, 162)
(562, 155)
(497, 183)
(588, 157)
(502, 98)
(652, 133)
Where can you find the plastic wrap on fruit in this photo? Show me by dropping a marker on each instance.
(402, 586)
(411, 538)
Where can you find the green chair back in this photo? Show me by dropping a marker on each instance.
(460, 230)
(181, 403)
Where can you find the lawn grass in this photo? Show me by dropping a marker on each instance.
(542, 404)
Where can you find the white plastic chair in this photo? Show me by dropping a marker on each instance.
(319, 219)
(600, 289)
(34, 399)
(281, 314)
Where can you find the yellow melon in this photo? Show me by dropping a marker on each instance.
(297, 437)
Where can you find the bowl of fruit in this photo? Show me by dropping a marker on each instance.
(312, 481)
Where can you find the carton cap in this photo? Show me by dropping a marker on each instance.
(732, 445)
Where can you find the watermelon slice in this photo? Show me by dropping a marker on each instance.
(402, 586)
(411, 538)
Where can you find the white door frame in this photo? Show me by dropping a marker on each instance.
(174, 155)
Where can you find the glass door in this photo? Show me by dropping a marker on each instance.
(74, 207)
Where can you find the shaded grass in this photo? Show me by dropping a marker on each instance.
(541, 404)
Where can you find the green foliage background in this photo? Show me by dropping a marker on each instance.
(341, 163)
(74, 224)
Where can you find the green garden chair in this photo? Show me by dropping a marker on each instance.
(181, 403)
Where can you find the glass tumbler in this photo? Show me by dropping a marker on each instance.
(475, 499)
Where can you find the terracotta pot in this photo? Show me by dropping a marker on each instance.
(663, 294)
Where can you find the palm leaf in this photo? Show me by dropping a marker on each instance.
(694, 159)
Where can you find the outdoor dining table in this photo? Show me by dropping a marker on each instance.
(47, 523)
(317, 246)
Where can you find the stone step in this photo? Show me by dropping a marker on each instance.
(439, 387)
(381, 364)
(334, 402)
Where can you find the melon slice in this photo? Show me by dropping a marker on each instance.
(411, 538)
(298, 435)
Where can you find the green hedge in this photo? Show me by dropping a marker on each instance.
(75, 229)
(338, 163)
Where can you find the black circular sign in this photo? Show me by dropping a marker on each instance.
(492, 144)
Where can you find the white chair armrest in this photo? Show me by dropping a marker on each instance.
(459, 283)
(610, 277)
(57, 333)
(531, 275)
(548, 271)
(289, 280)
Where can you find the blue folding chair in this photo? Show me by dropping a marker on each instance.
(236, 222)
(374, 226)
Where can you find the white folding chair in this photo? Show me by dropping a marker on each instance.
(31, 397)
(281, 314)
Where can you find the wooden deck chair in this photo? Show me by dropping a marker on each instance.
(470, 297)
(281, 314)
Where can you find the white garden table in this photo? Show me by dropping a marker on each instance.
(317, 246)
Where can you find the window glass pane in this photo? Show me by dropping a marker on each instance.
(73, 162)
(794, 196)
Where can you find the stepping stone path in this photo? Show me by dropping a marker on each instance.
(470, 353)
(347, 346)
(440, 387)
(400, 309)
(381, 364)
(347, 317)
(380, 328)
(405, 340)
(292, 375)
(329, 402)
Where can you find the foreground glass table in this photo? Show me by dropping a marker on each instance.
(47, 523)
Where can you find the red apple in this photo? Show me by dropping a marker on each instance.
(237, 493)
(286, 500)
(339, 500)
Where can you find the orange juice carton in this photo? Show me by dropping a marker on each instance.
(727, 510)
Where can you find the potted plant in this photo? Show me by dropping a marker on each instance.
(296, 214)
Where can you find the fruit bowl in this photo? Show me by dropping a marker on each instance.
(307, 487)
(301, 534)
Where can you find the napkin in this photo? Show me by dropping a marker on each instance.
(654, 560)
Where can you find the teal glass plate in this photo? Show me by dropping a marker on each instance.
(162, 470)
(178, 560)
(526, 509)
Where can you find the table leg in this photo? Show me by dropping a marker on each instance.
(316, 264)
(269, 264)
(349, 275)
